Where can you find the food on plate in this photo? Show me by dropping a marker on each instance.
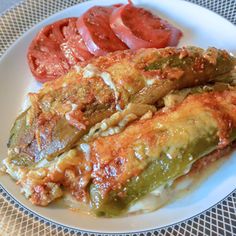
(64, 110)
(139, 28)
(74, 47)
(119, 126)
(62, 44)
(156, 151)
(45, 58)
(115, 171)
(55, 49)
(94, 27)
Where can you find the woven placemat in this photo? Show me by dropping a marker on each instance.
(17, 220)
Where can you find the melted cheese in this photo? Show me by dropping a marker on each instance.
(108, 81)
(92, 71)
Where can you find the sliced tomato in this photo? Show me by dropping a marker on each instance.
(94, 27)
(139, 28)
(74, 47)
(45, 58)
(56, 32)
(55, 49)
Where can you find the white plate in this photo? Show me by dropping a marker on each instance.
(201, 27)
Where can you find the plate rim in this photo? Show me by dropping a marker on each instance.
(18, 205)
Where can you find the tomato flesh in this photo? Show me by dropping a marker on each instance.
(74, 47)
(139, 28)
(45, 58)
(94, 27)
(61, 45)
(55, 49)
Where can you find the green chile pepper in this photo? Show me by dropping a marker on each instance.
(176, 69)
(188, 138)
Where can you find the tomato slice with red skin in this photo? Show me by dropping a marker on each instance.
(139, 28)
(61, 45)
(74, 47)
(57, 30)
(94, 27)
(45, 58)
(55, 49)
